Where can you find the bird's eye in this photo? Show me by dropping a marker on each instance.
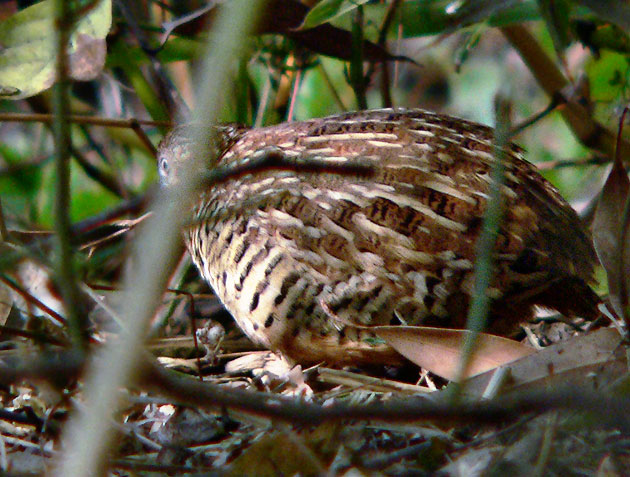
(164, 165)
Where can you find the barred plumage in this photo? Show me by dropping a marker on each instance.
(306, 261)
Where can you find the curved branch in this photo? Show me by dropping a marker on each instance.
(588, 131)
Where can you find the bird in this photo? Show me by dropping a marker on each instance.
(308, 259)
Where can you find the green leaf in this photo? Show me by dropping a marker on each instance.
(127, 60)
(598, 35)
(556, 15)
(607, 76)
(434, 17)
(612, 10)
(21, 180)
(326, 10)
(28, 52)
(471, 40)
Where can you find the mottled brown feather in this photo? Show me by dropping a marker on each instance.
(303, 261)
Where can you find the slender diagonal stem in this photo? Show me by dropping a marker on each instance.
(480, 301)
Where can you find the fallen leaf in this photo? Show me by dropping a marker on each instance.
(439, 349)
(610, 234)
(591, 360)
(276, 453)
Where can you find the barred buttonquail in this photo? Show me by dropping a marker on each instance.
(300, 257)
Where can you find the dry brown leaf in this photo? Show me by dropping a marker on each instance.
(610, 233)
(275, 453)
(439, 349)
(607, 231)
(590, 360)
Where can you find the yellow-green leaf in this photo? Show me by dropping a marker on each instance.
(326, 10)
(28, 52)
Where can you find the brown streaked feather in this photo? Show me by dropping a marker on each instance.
(298, 257)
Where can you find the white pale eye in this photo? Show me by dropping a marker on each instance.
(163, 169)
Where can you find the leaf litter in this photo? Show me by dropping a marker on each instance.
(160, 435)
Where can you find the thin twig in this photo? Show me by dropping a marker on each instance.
(190, 391)
(382, 39)
(135, 126)
(519, 128)
(297, 78)
(193, 321)
(385, 460)
(94, 173)
(64, 266)
(562, 163)
(167, 92)
(587, 130)
(131, 206)
(264, 101)
(183, 389)
(31, 299)
(82, 119)
(38, 337)
(357, 78)
(38, 240)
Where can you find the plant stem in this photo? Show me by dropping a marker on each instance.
(64, 257)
